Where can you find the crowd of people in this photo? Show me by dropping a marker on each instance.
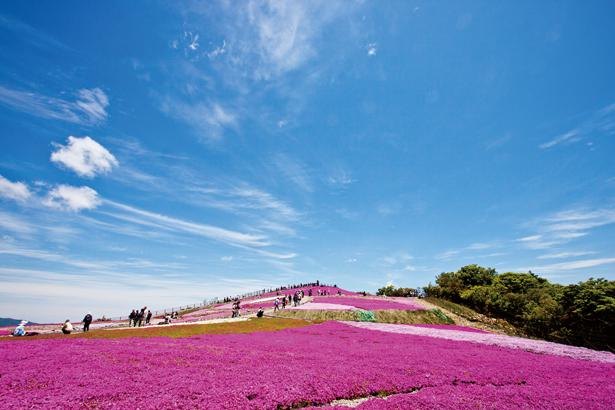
(230, 299)
(139, 317)
(67, 327)
(281, 301)
(136, 317)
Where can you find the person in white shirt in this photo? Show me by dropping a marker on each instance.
(67, 328)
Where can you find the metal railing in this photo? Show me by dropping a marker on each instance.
(227, 299)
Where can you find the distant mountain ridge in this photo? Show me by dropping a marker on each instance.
(7, 321)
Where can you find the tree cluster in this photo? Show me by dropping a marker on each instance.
(391, 290)
(582, 314)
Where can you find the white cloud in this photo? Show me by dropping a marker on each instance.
(193, 40)
(372, 49)
(84, 156)
(17, 191)
(72, 198)
(226, 258)
(89, 107)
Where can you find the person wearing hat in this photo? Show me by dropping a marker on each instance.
(20, 330)
(67, 328)
(86, 322)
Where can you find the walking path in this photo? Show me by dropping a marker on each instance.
(513, 342)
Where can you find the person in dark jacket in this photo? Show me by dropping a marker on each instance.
(132, 318)
(148, 317)
(141, 316)
(86, 322)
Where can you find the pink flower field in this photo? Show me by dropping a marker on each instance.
(292, 368)
(367, 303)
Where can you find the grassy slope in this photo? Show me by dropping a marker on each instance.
(382, 316)
(497, 325)
(249, 326)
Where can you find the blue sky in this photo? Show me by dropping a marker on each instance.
(161, 153)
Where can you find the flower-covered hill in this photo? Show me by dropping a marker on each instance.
(358, 302)
(249, 305)
(311, 365)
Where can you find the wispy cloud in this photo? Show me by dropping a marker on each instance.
(562, 255)
(580, 220)
(295, 171)
(271, 38)
(209, 120)
(267, 212)
(84, 156)
(570, 265)
(388, 209)
(91, 265)
(88, 108)
(142, 217)
(480, 246)
(28, 33)
(600, 123)
(16, 191)
(566, 138)
(471, 250)
(564, 226)
(448, 254)
(340, 178)
(15, 224)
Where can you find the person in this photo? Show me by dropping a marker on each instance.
(148, 317)
(132, 318)
(260, 312)
(141, 315)
(86, 322)
(67, 328)
(276, 305)
(20, 330)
